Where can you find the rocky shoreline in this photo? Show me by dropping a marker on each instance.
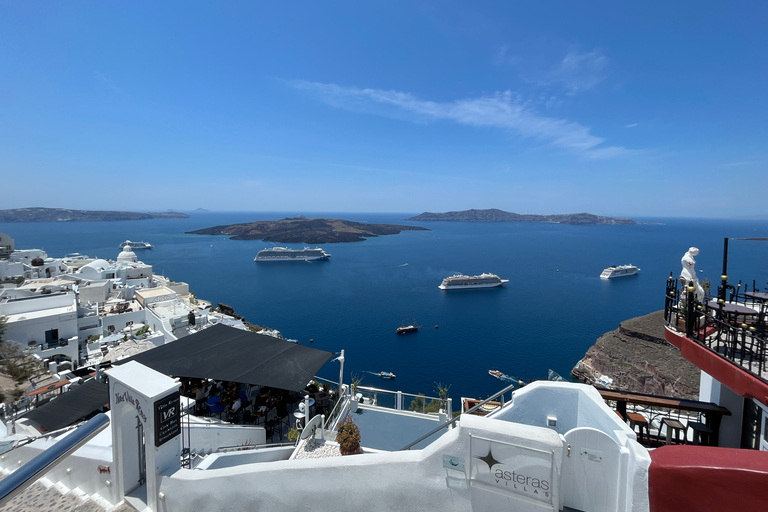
(638, 359)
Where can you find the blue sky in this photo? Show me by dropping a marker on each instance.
(638, 109)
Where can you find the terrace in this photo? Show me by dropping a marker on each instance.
(729, 328)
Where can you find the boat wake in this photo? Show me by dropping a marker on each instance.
(505, 377)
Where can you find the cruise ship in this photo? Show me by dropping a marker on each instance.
(286, 254)
(619, 271)
(462, 282)
(137, 245)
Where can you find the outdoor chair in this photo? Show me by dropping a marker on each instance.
(215, 406)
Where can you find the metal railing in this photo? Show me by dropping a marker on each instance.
(738, 338)
(454, 420)
(26, 475)
(399, 400)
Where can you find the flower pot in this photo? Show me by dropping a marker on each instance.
(349, 450)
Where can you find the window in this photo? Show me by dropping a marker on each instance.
(51, 335)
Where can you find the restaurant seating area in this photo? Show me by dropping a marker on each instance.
(660, 421)
(277, 410)
(733, 324)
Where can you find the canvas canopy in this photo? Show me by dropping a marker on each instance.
(77, 403)
(225, 353)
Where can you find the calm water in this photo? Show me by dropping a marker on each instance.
(554, 307)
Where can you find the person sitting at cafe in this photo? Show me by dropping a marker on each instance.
(262, 402)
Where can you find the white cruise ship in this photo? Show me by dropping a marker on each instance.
(137, 245)
(462, 282)
(619, 271)
(285, 254)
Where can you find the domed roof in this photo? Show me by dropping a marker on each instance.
(98, 265)
(37, 262)
(127, 254)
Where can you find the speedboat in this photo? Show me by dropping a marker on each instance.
(407, 328)
(495, 373)
(387, 375)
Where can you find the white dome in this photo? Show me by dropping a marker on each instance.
(127, 255)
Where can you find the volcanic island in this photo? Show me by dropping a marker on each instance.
(308, 231)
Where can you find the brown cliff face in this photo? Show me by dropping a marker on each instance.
(638, 359)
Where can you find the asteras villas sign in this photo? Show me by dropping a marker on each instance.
(512, 468)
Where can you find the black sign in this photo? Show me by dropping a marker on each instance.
(167, 422)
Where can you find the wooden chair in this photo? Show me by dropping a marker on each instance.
(675, 431)
(638, 420)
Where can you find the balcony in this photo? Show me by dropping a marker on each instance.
(725, 336)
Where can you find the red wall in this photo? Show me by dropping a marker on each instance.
(702, 478)
(737, 379)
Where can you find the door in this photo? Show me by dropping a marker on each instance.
(142, 452)
(590, 471)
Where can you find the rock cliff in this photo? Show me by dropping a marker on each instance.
(638, 358)
(65, 215)
(495, 215)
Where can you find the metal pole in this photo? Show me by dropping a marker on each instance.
(341, 370)
(724, 276)
(689, 320)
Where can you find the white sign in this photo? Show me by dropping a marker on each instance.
(512, 468)
(454, 463)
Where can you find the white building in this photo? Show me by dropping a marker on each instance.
(46, 324)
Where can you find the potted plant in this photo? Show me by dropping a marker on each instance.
(348, 437)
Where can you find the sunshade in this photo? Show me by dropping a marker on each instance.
(225, 353)
(79, 402)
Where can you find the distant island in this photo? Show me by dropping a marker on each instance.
(308, 231)
(65, 215)
(495, 215)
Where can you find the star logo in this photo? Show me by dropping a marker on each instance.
(489, 459)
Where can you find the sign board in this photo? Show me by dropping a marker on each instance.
(167, 419)
(512, 468)
(455, 463)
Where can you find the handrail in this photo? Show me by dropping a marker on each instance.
(26, 475)
(454, 420)
(243, 447)
(389, 391)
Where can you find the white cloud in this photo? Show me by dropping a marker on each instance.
(500, 110)
(106, 81)
(741, 164)
(580, 71)
(631, 125)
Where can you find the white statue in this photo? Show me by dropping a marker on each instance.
(688, 273)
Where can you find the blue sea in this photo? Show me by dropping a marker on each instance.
(552, 310)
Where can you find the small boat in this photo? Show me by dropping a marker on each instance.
(407, 328)
(496, 373)
(387, 375)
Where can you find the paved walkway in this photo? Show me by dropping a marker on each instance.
(39, 498)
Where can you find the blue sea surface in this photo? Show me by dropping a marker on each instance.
(552, 310)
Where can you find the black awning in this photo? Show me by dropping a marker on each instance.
(225, 353)
(70, 407)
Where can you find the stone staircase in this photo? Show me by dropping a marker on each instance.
(44, 496)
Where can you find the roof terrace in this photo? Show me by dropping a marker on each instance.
(725, 335)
